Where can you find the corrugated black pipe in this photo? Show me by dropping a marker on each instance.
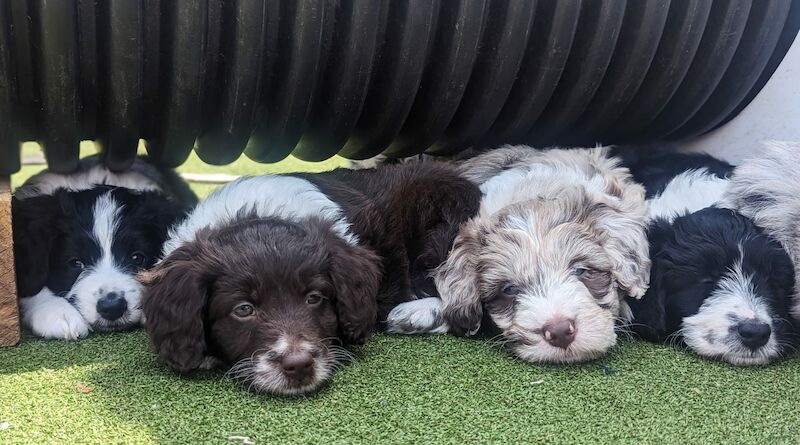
(315, 78)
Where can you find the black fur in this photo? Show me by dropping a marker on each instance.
(58, 253)
(693, 256)
(655, 171)
(690, 255)
(51, 229)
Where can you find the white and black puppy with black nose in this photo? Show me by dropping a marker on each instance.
(81, 238)
(718, 284)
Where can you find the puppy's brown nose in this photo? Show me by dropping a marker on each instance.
(559, 333)
(298, 365)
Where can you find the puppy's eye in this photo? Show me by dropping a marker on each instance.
(138, 258)
(75, 263)
(314, 298)
(243, 310)
(580, 271)
(511, 291)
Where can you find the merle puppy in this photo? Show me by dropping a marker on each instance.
(558, 242)
(81, 238)
(718, 283)
(271, 273)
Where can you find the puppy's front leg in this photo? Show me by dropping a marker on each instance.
(423, 316)
(50, 316)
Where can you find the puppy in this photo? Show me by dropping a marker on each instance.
(718, 283)
(81, 238)
(766, 188)
(269, 273)
(558, 242)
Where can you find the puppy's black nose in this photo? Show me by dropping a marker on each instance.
(112, 306)
(559, 333)
(754, 334)
(298, 365)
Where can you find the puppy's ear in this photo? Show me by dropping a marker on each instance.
(650, 312)
(159, 212)
(174, 301)
(625, 242)
(453, 202)
(781, 271)
(356, 274)
(166, 211)
(457, 282)
(35, 227)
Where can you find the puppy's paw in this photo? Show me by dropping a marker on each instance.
(355, 334)
(53, 317)
(423, 316)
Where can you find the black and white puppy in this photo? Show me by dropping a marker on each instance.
(718, 283)
(271, 273)
(81, 238)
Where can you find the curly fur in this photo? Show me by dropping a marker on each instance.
(559, 238)
(353, 243)
(718, 284)
(766, 188)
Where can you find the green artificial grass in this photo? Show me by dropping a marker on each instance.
(402, 390)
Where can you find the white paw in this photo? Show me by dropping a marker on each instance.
(423, 316)
(49, 316)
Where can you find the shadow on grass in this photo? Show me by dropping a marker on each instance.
(400, 388)
(421, 390)
(33, 353)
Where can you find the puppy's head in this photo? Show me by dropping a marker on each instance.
(720, 284)
(267, 297)
(87, 247)
(550, 273)
(766, 188)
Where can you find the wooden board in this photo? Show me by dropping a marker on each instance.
(9, 312)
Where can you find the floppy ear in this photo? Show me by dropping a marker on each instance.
(445, 202)
(650, 312)
(457, 282)
(356, 274)
(781, 271)
(165, 212)
(625, 242)
(35, 227)
(174, 302)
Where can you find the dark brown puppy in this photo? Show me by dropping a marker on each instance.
(270, 272)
